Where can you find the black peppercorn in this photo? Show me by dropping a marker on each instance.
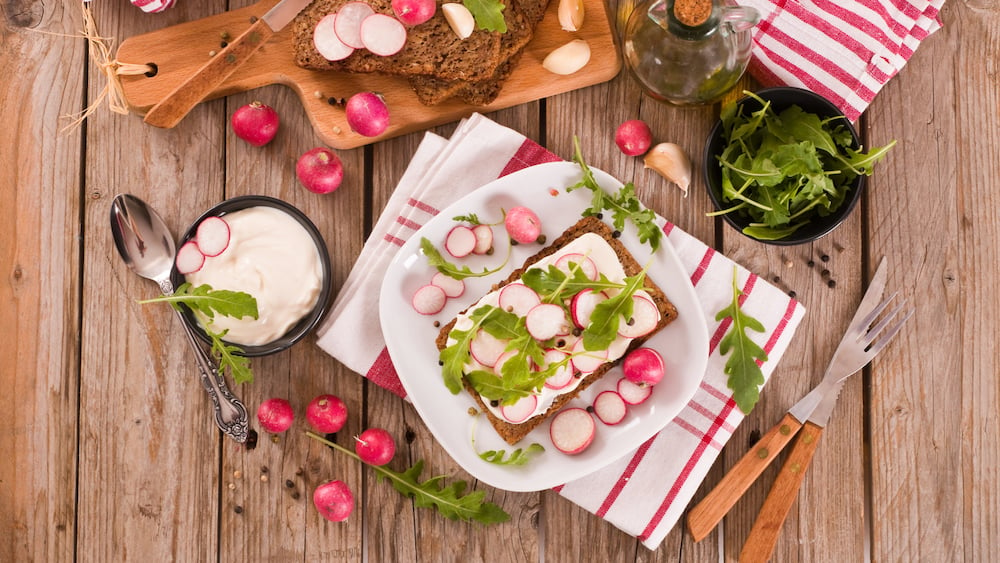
(825, 258)
(810, 263)
(494, 403)
(777, 279)
(223, 44)
(238, 509)
(289, 483)
(295, 495)
(616, 234)
(791, 294)
(832, 283)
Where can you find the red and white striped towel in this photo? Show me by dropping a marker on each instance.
(844, 51)
(645, 492)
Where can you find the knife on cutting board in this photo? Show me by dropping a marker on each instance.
(172, 109)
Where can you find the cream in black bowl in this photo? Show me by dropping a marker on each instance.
(786, 176)
(274, 253)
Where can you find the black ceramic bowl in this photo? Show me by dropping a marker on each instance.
(781, 98)
(306, 323)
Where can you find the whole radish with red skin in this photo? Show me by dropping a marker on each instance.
(275, 415)
(643, 366)
(375, 446)
(326, 414)
(255, 123)
(633, 137)
(367, 114)
(334, 500)
(414, 12)
(320, 170)
(523, 225)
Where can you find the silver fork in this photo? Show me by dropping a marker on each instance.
(862, 341)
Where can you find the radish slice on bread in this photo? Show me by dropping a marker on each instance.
(486, 348)
(521, 410)
(518, 298)
(349, 20)
(545, 321)
(645, 317)
(584, 263)
(383, 35)
(572, 430)
(326, 41)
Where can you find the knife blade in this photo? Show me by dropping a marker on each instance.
(179, 102)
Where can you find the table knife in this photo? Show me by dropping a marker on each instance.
(171, 109)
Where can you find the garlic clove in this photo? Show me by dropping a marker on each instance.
(459, 19)
(671, 162)
(571, 14)
(569, 58)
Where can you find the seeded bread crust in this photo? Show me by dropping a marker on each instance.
(514, 433)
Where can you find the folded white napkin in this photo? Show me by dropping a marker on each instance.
(844, 50)
(645, 492)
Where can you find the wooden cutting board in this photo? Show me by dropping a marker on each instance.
(179, 50)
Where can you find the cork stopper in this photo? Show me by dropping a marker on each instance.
(692, 13)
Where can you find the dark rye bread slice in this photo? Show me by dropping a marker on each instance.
(431, 90)
(431, 48)
(513, 433)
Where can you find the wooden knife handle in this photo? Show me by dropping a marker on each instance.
(764, 534)
(704, 517)
(172, 109)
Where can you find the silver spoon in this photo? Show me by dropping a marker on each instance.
(148, 249)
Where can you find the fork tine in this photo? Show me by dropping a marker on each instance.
(888, 335)
(862, 326)
(872, 333)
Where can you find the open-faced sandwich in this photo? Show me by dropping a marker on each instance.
(552, 328)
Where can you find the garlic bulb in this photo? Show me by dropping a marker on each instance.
(671, 162)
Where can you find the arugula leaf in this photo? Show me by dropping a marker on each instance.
(454, 357)
(554, 286)
(435, 259)
(488, 14)
(450, 501)
(745, 376)
(207, 301)
(607, 315)
(517, 457)
(226, 355)
(623, 205)
(471, 218)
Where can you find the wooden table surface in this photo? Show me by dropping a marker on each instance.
(108, 447)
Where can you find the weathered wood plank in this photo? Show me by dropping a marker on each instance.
(39, 295)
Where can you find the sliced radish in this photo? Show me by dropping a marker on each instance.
(587, 361)
(213, 236)
(451, 286)
(545, 320)
(518, 298)
(460, 241)
(572, 430)
(584, 263)
(383, 35)
(582, 306)
(498, 366)
(326, 41)
(610, 407)
(486, 348)
(348, 24)
(521, 410)
(645, 317)
(189, 258)
(484, 239)
(632, 393)
(429, 300)
(563, 375)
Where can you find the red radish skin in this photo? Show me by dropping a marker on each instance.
(383, 35)
(320, 170)
(451, 286)
(584, 263)
(633, 137)
(189, 258)
(563, 376)
(275, 415)
(375, 446)
(460, 241)
(643, 366)
(429, 300)
(255, 123)
(213, 236)
(521, 410)
(367, 114)
(544, 321)
(326, 41)
(334, 500)
(326, 414)
(610, 408)
(572, 430)
(484, 239)
(414, 12)
(518, 298)
(348, 24)
(523, 225)
(486, 348)
(582, 306)
(633, 394)
(645, 317)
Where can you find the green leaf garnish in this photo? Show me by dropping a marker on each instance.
(745, 376)
(450, 501)
(516, 457)
(488, 14)
(454, 357)
(623, 205)
(471, 218)
(207, 301)
(226, 356)
(607, 316)
(435, 259)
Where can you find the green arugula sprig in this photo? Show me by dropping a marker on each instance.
(209, 302)
(516, 457)
(488, 14)
(450, 501)
(623, 205)
(437, 261)
(745, 375)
